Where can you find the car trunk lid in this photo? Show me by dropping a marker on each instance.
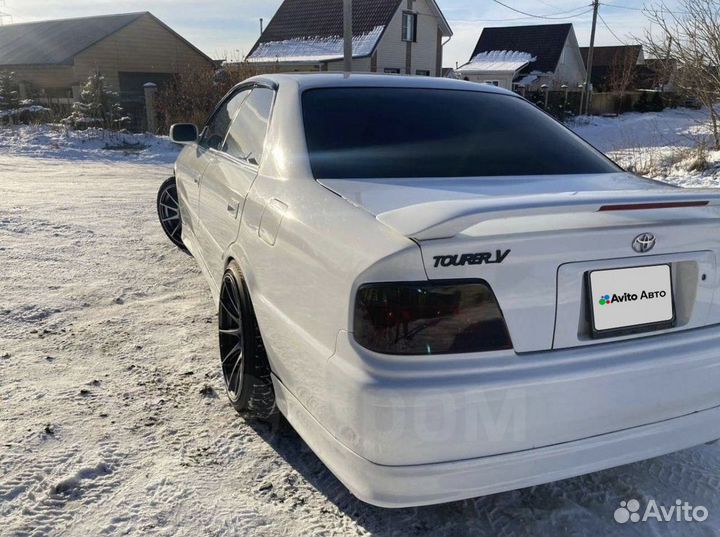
(535, 239)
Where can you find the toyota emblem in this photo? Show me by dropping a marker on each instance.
(643, 243)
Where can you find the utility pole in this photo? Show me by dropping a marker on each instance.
(4, 14)
(261, 26)
(591, 49)
(347, 35)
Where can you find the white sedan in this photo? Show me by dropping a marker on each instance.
(445, 291)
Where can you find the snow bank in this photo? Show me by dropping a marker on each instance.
(25, 110)
(59, 142)
(672, 145)
(671, 127)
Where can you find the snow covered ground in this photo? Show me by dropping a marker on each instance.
(112, 415)
(59, 142)
(672, 145)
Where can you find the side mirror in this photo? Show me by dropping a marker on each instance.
(183, 133)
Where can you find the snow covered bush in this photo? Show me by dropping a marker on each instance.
(98, 106)
(13, 109)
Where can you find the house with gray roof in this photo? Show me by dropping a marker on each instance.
(389, 36)
(54, 58)
(526, 57)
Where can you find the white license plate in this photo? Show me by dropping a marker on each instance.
(632, 298)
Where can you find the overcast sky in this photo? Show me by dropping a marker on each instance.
(228, 28)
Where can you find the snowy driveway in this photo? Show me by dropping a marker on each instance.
(112, 417)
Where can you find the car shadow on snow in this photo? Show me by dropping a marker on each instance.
(579, 506)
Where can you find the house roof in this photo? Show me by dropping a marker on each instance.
(606, 56)
(57, 42)
(497, 61)
(312, 30)
(543, 41)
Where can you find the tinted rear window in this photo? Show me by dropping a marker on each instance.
(407, 132)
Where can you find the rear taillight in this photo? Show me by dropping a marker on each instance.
(429, 318)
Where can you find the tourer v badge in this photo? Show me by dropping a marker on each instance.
(480, 258)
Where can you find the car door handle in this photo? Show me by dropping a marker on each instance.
(232, 207)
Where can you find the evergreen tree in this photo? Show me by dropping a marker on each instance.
(98, 105)
(9, 91)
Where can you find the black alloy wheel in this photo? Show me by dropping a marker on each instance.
(168, 209)
(245, 366)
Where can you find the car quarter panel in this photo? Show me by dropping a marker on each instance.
(302, 284)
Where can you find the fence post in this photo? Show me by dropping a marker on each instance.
(150, 115)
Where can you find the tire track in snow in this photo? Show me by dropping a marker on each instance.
(43, 492)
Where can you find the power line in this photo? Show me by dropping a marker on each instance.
(548, 4)
(643, 9)
(609, 29)
(550, 16)
(623, 7)
(491, 20)
(518, 18)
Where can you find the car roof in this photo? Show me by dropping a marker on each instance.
(305, 81)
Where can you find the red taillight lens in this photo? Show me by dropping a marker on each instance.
(429, 318)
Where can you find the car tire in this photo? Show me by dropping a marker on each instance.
(168, 210)
(244, 363)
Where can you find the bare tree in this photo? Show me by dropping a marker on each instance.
(621, 74)
(190, 96)
(688, 37)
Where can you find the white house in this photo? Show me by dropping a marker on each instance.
(389, 36)
(496, 67)
(526, 57)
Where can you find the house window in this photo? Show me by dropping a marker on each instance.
(422, 72)
(391, 71)
(409, 26)
(493, 82)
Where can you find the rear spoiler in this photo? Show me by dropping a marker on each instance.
(443, 219)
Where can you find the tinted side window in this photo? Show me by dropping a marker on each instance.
(216, 129)
(408, 132)
(247, 132)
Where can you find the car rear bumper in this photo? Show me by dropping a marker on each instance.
(412, 430)
(424, 484)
